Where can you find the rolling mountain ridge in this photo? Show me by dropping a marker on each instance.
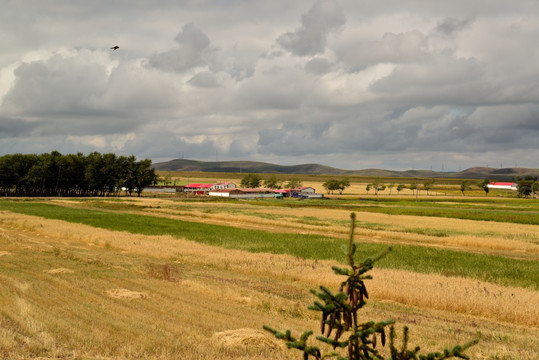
(317, 169)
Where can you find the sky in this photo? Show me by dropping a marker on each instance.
(353, 84)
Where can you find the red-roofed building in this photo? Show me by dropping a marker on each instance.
(503, 185)
(223, 185)
(197, 189)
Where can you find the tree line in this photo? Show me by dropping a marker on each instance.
(255, 181)
(54, 174)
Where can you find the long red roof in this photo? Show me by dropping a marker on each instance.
(198, 186)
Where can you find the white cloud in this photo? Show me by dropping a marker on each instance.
(347, 83)
(193, 44)
(310, 38)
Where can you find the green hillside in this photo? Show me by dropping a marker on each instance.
(257, 167)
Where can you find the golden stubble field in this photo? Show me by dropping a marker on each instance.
(76, 292)
(358, 187)
(511, 240)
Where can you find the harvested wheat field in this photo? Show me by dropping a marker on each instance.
(73, 287)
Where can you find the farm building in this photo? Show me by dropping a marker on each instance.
(197, 189)
(251, 193)
(503, 185)
(223, 185)
(163, 189)
(305, 192)
(302, 192)
(244, 193)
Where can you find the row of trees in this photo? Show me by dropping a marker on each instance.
(54, 174)
(336, 185)
(527, 186)
(255, 181)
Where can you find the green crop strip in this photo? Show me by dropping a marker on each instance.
(518, 213)
(496, 269)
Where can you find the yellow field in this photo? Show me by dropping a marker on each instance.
(357, 186)
(513, 240)
(71, 291)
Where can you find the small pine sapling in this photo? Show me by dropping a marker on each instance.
(339, 326)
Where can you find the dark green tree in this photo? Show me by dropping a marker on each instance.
(294, 183)
(54, 174)
(484, 185)
(144, 175)
(377, 186)
(340, 327)
(272, 182)
(44, 174)
(464, 186)
(428, 185)
(343, 184)
(526, 186)
(251, 181)
(72, 182)
(331, 185)
(128, 166)
(400, 187)
(413, 187)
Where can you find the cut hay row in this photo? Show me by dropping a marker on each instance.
(515, 240)
(510, 304)
(495, 269)
(112, 305)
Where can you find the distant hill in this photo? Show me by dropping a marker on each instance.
(317, 169)
(246, 167)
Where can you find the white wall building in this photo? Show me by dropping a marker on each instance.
(503, 185)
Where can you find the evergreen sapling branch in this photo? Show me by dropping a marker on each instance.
(339, 326)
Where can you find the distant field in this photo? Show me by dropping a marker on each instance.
(517, 212)
(164, 277)
(490, 268)
(441, 187)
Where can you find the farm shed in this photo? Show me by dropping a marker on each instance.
(163, 189)
(197, 189)
(503, 185)
(225, 192)
(305, 192)
(244, 193)
(223, 185)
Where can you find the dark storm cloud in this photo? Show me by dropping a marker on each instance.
(79, 94)
(394, 84)
(443, 79)
(286, 139)
(14, 127)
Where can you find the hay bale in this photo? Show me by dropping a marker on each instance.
(59, 271)
(125, 294)
(247, 339)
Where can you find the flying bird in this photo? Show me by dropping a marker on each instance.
(114, 48)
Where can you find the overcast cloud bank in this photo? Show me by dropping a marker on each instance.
(350, 84)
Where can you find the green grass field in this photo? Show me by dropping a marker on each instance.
(507, 210)
(495, 269)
